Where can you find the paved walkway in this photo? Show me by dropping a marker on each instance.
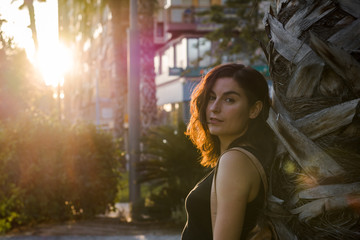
(137, 237)
(107, 227)
(102, 228)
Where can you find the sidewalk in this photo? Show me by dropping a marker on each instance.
(137, 237)
(97, 229)
(107, 227)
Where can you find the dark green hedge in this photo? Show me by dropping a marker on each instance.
(54, 171)
(171, 168)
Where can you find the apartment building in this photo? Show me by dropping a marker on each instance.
(184, 54)
(182, 57)
(93, 88)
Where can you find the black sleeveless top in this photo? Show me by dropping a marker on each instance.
(197, 204)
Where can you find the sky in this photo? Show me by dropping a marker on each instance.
(51, 59)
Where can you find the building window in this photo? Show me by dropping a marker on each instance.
(204, 3)
(177, 15)
(159, 29)
(187, 2)
(167, 60)
(193, 52)
(204, 52)
(163, 64)
(198, 49)
(180, 49)
(170, 53)
(157, 64)
(176, 2)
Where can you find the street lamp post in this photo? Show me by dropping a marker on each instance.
(133, 101)
(59, 99)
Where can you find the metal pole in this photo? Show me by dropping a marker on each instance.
(59, 99)
(97, 99)
(133, 101)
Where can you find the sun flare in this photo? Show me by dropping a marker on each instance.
(53, 62)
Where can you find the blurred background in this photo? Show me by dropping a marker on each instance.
(66, 133)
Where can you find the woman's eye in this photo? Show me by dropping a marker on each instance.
(230, 100)
(212, 98)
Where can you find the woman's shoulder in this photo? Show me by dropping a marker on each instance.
(237, 160)
(240, 152)
(237, 175)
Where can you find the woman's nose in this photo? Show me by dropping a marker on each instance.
(215, 106)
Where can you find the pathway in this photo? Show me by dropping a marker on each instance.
(107, 227)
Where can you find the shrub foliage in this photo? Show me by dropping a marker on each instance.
(52, 171)
(172, 169)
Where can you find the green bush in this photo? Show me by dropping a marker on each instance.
(172, 169)
(53, 171)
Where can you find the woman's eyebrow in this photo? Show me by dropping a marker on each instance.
(227, 93)
(232, 92)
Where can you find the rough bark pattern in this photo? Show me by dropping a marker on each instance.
(147, 54)
(120, 23)
(314, 62)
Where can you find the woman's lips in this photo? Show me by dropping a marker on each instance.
(214, 121)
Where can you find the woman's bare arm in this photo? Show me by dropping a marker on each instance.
(237, 183)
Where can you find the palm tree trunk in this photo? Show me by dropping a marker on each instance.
(314, 62)
(147, 54)
(120, 23)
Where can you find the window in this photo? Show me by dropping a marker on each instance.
(176, 15)
(180, 49)
(176, 2)
(159, 29)
(193, 52)
(186, 2)
(157, 64)
(167, 60)
(170, 53)
(204, 3)
(204, 48)
(164, 67)
(199, 48)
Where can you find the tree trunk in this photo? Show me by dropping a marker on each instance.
(314, 62)
(30, 6)
(147, 53)
(120, 23)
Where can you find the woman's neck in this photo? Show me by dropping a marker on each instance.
(226, 141)
(223, 146)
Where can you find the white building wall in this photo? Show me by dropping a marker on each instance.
(171, 92)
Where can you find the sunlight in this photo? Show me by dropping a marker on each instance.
(16, 26)
(53, 62)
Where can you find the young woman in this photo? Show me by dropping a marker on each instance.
(229, 109)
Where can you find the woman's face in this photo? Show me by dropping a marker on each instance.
(227, 111)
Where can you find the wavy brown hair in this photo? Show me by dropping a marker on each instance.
(256, 89)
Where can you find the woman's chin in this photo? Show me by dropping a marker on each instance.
(214, 131)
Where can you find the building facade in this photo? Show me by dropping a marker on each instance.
(184, 54)
(179, 33)
(96, 89)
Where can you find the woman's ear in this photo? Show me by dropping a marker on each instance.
(255, 109)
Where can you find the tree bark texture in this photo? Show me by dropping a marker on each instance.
(148, 99)
(314, 61)
(120, 23)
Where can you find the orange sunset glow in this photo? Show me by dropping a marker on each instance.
(53, 59)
